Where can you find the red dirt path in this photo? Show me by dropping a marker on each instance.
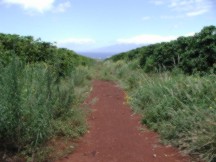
(116, 135)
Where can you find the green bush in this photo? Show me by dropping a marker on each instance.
(32, 99)
(39, 90)
(192, 54)
(24, 97)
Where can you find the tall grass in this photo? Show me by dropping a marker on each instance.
(182, 109)
(35, 105)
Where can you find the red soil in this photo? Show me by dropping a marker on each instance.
(116, 135)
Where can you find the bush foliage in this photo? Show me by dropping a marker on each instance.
(193, 54)
(30, 51)
(38, 97)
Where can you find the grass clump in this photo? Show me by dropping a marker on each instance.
(182, 109)
(36, 105)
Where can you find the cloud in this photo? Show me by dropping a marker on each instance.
(150, 38)
(185, 8)
(196, 13)
(190, 34)
(146, 18)
(77, 44)
(39, 6)
(191, 7)
(62, 7)
(77, 41)
(146, 39)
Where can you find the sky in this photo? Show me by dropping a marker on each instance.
(85, 25)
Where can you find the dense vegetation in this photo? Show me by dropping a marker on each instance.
(173, 86)
(193, 54)
(30, 50)
(40, 87)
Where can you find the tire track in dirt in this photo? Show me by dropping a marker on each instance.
(116, 135)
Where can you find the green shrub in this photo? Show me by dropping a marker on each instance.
(32, 99)
(192, 54)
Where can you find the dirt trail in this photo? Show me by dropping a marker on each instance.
(116, 135)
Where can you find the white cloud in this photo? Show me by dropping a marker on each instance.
(77, 44)
(146, 39)
(196, 13)
(37, 5)
(150, 38)
(190, 34)
(146, 18)
(77, 41)
(191, 7)
(62, 7)
(187, 8)
(40, 6)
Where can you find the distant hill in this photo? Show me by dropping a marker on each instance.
(96, 55)
(106, 52)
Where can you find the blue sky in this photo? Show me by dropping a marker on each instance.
(83, 25)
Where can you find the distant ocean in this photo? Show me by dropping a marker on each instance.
(97, 55)
(109, 50)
